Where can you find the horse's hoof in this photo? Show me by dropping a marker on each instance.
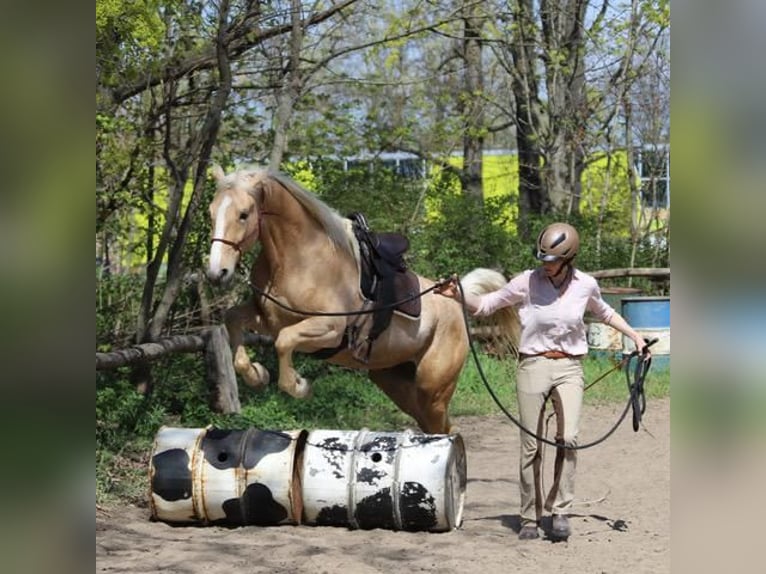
(263, 374)
(261, 379)
(295, 386)
(303, 389)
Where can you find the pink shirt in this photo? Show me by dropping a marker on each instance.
(549, 321)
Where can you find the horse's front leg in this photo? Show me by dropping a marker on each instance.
(307, 336)
(237, 319)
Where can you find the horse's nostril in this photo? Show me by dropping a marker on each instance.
(217, 276)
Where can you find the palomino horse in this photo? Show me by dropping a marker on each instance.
(309, 264)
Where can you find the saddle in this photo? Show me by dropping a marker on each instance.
(385, 279)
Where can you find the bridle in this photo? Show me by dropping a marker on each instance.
(232, 244)
(237, 245)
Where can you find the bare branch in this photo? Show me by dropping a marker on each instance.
(239, 40)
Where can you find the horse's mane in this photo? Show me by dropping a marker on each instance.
(337, 227)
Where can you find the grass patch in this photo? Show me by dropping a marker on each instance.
(473, 398)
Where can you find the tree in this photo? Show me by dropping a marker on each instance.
(570, 64)
(471, 103)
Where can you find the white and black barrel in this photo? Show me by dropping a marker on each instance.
(400, 481)
(233, 476)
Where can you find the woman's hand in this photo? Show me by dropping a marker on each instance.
(641, 348)
(619, 323)
(447, 287)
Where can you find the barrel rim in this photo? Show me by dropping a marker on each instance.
(458, 459)
(629, 291)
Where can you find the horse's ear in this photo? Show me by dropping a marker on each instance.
(218, 174)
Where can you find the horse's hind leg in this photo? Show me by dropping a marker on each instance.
(424, 394)
(237, 319)
(435, 380)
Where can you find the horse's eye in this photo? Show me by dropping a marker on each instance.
(243, 215)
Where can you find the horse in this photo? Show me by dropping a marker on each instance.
(307, 296)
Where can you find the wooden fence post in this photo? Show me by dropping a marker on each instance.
(221, 378)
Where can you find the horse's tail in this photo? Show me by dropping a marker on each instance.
(502, 329)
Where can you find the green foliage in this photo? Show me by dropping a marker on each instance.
(466, 234)
(605, 189)
(388, 200)
(139, 20)
(128, 34)
(117, 300)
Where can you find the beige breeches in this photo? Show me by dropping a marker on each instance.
(537, 377)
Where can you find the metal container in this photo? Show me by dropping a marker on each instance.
(650, 317)
(233, 476)
(399, 481)
(605, 341)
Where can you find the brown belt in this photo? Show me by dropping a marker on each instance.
(551, 355)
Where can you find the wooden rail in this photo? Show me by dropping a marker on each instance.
(651, 272)
(213, 341)
(166, 346)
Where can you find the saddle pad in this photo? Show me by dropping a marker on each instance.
(406, 285)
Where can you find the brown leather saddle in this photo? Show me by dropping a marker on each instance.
(384, 281)
(385, 278)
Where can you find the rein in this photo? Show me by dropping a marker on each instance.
(393, 305)
(637, 399)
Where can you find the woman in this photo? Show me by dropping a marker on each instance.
(551, 300)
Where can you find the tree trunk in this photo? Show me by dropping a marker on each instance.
(563, 51)
(291, 89)
(636, 211)
(222, 380)
(525, 87)
(472, 106)
(207, 138)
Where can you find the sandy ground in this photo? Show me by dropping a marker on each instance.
(621, 522)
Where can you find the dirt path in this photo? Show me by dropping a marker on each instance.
(621, 522)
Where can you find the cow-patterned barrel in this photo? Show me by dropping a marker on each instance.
(238, 477)
(399, 481)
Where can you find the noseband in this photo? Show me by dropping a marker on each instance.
(237, 246)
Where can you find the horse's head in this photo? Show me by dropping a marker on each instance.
(235, 217)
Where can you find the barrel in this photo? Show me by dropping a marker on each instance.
(399, 481)
(239, 477)
(650, 317)
(605, 341)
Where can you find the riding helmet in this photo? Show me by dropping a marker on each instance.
(557, 241)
